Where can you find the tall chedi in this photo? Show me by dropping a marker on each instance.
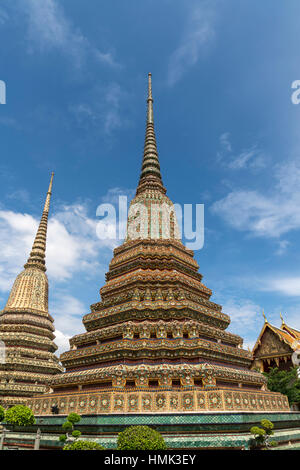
(26, 327)
(156, 342)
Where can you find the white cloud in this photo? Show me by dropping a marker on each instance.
(289, 286)
(198, 34)
(251, 157)
(246, 318)
(16, 238)
(112, 116)
(62, 342)
(72, 243)
(270, 215)
(67, 311)
(225, 142)
(282, 247)
(243, 312)
(3, 16)
(21, 195)
(106, 58)
(102, 110)
(113, 194)
(49, 28)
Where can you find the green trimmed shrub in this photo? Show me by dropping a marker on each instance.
(67, 426)
(20, 415)
(73, 418)
(83, 445)
(257, 431)
(2, 413)
(262, 435)
(140, 438)
(267, 426)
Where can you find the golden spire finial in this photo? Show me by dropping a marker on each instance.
(47, 202)
(38, 252)
(150, 86)
(263, 312)
(150, 100)
(282, 320)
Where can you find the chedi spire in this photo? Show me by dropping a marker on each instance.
(38, 252)
(26, 327)
(150, 174)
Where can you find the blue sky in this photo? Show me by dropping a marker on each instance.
(227, 132)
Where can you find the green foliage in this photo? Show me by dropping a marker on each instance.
(73, 418)
(273, 443)
(267, 426)
(285, 382)
(256, 431)
(140, 438)
(262, 435)
(2, 413)
(67, 426)
(20, 415)
(83, 445)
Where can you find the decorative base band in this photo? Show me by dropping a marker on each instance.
(159, 401)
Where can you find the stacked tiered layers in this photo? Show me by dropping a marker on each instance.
(156, 342)
(26, 328)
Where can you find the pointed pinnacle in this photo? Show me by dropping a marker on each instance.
(263, 312)
(48, 197)
(38, 252)
(150, 175)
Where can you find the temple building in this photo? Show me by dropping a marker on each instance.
(275, 347)
(26, 327)
(155, 342)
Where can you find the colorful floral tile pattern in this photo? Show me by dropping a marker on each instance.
(149, 400)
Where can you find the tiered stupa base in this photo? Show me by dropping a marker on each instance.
(116, 401)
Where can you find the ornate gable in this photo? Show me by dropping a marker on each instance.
(271, 345)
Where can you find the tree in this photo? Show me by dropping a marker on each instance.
(140, 438)
(20, 415)
(83, 445)
(285, 382)
(262, 435)
(259, 436)
(2, 413)
(68, 426)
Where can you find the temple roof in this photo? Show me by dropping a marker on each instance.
(288, 335)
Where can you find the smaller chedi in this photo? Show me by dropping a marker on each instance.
(275, 347)
(26, 327)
